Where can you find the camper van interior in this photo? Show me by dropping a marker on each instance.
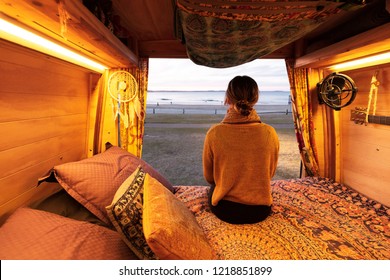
(73, 184)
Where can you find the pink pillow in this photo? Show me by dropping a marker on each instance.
(30, 234)
(94, 181)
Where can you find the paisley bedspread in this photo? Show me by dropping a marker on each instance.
(312, 218)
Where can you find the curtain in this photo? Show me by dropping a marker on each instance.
(131, 137)
(302, 115)
(121, 123)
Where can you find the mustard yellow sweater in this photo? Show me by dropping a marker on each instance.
(240, 156)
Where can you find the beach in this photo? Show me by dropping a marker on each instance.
(211, 97)
(174, 136)
(210, 109)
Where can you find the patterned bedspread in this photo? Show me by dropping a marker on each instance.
(313, 218)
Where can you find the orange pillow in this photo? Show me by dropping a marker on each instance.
(170, 229)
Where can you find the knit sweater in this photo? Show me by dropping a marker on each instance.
(240, 156)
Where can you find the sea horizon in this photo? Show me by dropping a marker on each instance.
(210, 97)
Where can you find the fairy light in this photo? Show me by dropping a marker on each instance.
(21, 36)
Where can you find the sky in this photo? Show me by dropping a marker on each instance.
(184, 75)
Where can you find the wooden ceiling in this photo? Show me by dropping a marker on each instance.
(151, 24)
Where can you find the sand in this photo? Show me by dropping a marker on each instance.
(173, 142)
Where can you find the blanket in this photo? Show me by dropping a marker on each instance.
(312, 218)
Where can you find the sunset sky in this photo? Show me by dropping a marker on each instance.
(183, 74)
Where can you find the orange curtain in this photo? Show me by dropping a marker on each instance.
(127, 128)
(132, 136)
(302, 115)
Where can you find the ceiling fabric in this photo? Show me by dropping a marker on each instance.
(222, 34)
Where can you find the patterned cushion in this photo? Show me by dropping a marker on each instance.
(125, 213)
(170, 228)
(94, 181)
(30, 234)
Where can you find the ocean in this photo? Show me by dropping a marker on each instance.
(211, 97)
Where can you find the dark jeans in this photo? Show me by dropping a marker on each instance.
(238, 213)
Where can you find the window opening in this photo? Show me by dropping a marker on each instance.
(185, 99)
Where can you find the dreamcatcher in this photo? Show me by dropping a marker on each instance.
(123, 89)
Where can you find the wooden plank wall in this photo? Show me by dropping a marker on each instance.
(365, 150)
(43, 120)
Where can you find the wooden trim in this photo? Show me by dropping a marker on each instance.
(371, 42)
(163, 49)
(93, 108)
(85, 33)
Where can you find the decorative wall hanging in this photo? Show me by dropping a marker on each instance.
(373, 95)
(229, 33)
(123, 89)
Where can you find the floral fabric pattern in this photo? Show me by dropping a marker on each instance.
(229, 33)
(312, 218)
(132, 113)
(302, 115)
(132, 136)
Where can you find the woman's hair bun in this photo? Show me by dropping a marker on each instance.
(243, 107)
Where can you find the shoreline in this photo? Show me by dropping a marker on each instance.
(210, 109)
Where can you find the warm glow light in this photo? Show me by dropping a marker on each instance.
(18, 35)
(363, 62)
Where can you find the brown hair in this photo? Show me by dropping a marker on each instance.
(242, 93)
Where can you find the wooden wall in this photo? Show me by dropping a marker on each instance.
(43, 120)
(365, 149)
(356, 155)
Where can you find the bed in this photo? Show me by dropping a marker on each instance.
(116, 206)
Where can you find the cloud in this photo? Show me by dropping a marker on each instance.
(183, 74)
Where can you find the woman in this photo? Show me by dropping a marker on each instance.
(240, 156)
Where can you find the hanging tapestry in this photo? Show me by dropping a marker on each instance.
(228, 33)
